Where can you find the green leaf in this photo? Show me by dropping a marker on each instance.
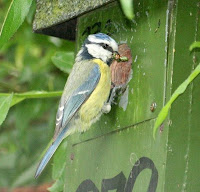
(64, 61)
(5, 102)
(127, 7)
(31, 13)
(16, 99)
(164, 112)
(15, 16)
(194, 45)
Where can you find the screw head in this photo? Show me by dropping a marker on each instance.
(72, 156)
(153, 107)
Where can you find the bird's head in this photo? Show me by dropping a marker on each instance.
(98, 46)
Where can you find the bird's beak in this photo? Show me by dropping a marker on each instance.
(116, 56)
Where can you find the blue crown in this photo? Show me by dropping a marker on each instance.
(102, 36)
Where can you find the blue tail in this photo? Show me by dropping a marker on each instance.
(50, 151)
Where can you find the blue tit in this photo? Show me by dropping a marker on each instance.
(86, 91)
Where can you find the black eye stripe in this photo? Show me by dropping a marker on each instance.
(106, 46)
(109, 49)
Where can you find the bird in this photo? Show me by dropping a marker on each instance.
(86, 91)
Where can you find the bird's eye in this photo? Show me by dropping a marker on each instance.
(105, 46)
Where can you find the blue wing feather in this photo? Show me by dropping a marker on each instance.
(78, 97)
(49, 153)
(81, 94)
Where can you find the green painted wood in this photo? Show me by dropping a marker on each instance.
(182, 168)
(117, 153)
(124, 136)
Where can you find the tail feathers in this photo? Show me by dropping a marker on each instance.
(50, 151)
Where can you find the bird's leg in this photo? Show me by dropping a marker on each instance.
(116, 90)
(106, 108)
(112, 96)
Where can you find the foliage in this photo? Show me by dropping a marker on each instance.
(27, 72)
(181, 89)
(14, 18)
(5, 103)
(127, 7)
(63, 60)
(18, 97)
(194, 45)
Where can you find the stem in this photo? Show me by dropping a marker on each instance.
(33, 95)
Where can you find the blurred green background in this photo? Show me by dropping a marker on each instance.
(28, 63)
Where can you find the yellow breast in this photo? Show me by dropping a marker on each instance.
(91, 109)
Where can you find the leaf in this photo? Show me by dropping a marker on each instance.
(164, 112)
(127, 7)
(31, 13)
(194, 45)
(5, 102)
(15, 16)
(16, 100)
(64, 61)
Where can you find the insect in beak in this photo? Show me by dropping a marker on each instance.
(117, 57)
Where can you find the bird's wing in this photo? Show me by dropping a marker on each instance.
(69, 104)
(76, 99)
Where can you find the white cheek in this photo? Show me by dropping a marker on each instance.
(114, 46)
(98, 52)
